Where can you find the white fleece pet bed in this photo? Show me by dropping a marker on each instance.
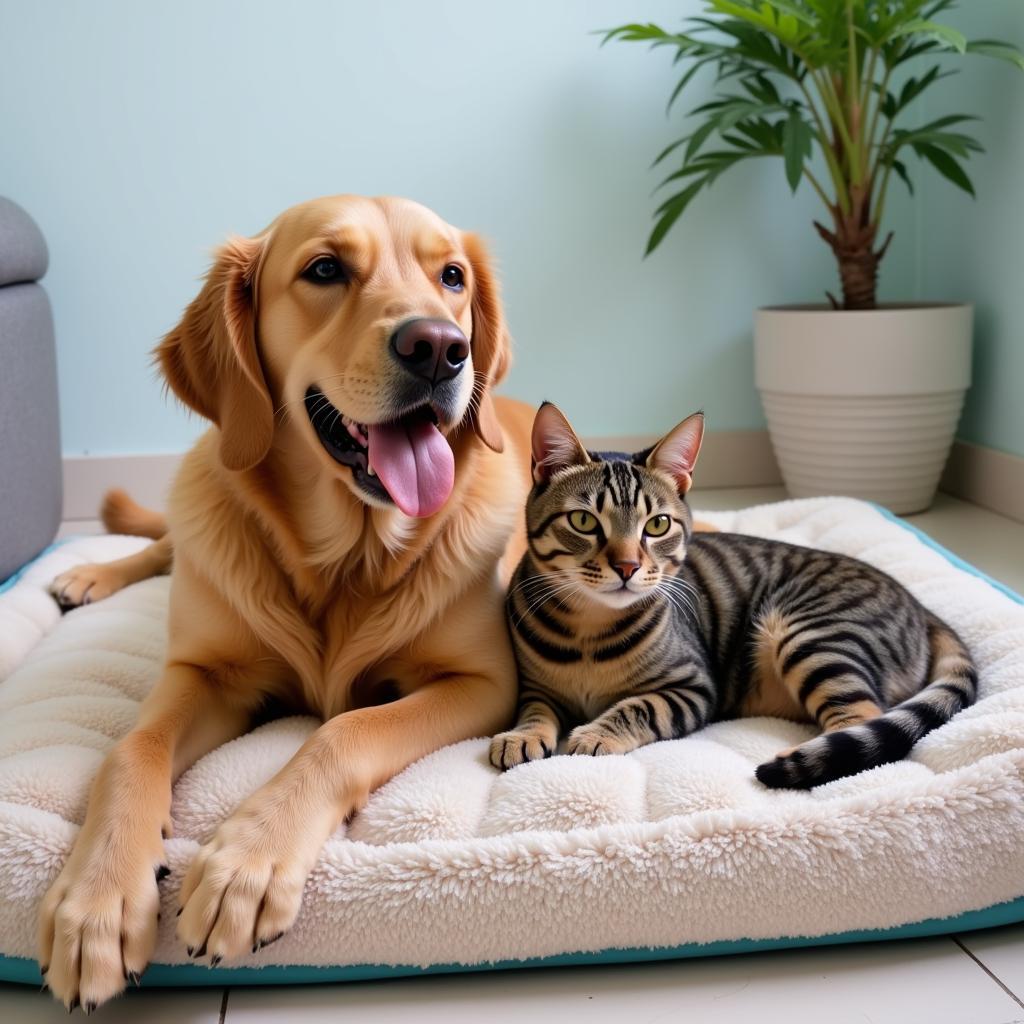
(673, 850)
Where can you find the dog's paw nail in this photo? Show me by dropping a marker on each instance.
(73, 1005)
(201, 951)
(214, 960)
(191, 950)
(177, 913)
(89, 1007)
(43, 970)
(263, 943)
(162, 872)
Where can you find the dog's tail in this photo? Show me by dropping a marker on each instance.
(121, 514)
(952, 686)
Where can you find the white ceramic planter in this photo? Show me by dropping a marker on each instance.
(863, 403)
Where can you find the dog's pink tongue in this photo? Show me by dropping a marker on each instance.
(415, 464)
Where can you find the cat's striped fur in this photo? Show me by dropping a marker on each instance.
(624, 638)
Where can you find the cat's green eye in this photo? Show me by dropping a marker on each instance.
(657, 526)
(583, 522)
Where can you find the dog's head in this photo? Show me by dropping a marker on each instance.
(370, 324)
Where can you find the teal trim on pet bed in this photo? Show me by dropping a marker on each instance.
(954, 560)
(26, 972)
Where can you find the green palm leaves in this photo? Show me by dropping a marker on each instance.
(798, 76)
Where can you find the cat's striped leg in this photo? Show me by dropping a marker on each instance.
(535, 736)
(838, 691)
(858, 737)
(666, 711)
(835, 684)
(830, 670)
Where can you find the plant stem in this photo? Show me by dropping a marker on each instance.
(834, 170)
(852, 88)
(868, 81)
(835, 111)
(883, 89)
(880, 198)
(853, 246)
(816, 185)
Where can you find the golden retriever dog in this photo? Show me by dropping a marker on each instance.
(342, 538)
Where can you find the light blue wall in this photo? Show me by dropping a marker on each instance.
(139, 134)
(974, 249)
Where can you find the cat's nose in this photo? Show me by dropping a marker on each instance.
(625, 567)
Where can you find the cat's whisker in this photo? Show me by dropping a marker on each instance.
(679, 596)
(670, 597)
(680, 603)
(552, 592)
(543, 578)
(689, 595)
(678, 581)
(681, 584)
(535, 582)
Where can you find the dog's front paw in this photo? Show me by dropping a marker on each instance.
(86, 583)
(517, 747)
(244, 889)
(593, 741)
(98, 922)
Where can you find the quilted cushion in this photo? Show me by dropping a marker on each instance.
(454, 863)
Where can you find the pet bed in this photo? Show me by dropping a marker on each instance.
(673, 850)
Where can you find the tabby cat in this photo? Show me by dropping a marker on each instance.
(630, 628)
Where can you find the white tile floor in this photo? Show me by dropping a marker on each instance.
(975, 978)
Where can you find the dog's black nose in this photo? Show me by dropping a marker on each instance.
(433, 349)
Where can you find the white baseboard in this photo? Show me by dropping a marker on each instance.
(87, 478)
(728, 458)
(986, 477)
(732, 458)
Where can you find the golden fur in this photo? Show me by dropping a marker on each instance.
(288, 587)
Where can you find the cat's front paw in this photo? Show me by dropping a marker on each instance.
(593, 741)
(590, 741)
(517, 747)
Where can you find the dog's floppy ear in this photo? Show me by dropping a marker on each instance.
(491, 346)
(210, 360)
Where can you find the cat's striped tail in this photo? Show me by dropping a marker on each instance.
(891, 736)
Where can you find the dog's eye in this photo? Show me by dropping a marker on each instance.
(452, 277)
(325, 270)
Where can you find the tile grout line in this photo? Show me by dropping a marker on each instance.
(993, 976)
(224, 1006)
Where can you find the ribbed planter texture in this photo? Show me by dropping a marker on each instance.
(863, 403)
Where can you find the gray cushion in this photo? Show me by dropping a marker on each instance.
(30, 456)
(23, 255)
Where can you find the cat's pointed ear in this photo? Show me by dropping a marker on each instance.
(555, 444)
(676, 453)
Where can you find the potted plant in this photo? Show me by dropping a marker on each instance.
(860, 400)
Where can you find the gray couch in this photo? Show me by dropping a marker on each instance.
(30, 456)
